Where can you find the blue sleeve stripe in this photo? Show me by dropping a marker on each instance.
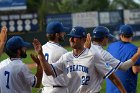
(53, 70)
(109, 73)
(34, 81)
(118, 65)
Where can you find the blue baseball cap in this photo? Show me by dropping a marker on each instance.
(126, 30)
(16, 42)
(56, 27)
(101, 32)
(78, 32)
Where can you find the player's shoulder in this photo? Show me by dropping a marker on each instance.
(53, 46)
(119, 42)
(46, 45)
(17, 62)
(92, 52)
(114, 43)
(132, 45)
(68, 54)
(5, 62)
(123, 46)
(67, 57)
(98, 48)
(95, 54)
(92, 48)
(20, 65)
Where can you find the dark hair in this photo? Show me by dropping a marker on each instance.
(97, 39)
(12, 53)
(50, 37)
(127, 36)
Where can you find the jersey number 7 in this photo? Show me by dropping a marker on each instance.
(6, 73)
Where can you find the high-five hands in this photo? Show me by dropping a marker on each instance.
(88, 41)
(37, 46)
(3, 34)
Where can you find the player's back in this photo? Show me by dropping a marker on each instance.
(123, 51)
(12, 78)
(53, 51)
(109, 59)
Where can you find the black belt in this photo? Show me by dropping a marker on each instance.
(58, 86)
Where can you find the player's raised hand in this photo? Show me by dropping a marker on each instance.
(3, 38)
(37, 46)
(88, 41)
(3, 34)
(35, 59)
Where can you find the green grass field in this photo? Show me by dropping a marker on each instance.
(28, 60)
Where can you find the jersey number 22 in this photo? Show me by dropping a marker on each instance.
(84, 80)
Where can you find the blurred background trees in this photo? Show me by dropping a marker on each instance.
(44, 7)
(69, 6)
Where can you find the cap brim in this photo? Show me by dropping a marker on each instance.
(111, 36)
(26, 44)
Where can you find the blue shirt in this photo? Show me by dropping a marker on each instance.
(123, 51)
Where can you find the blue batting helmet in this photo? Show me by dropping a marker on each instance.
(126, 30)
(101, 32)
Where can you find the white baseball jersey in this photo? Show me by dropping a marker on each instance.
(15, 77)
(84, 71)
(53, 51)
(109, 59)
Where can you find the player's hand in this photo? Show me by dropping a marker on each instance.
(37, 46)
(138, 51)
(88, 41)
(35, 59)
(3, 34)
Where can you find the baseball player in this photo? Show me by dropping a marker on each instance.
(3, 38)
(124, 50)
(14, 74)
(52, 51)
(83, 67)
(100, 38)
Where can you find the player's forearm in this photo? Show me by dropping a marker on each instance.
(115, 80)
(39, 74)
(1, 47)
(45, 65)
(129, 63)
(126, 65)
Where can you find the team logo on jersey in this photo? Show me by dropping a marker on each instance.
(77, 68)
